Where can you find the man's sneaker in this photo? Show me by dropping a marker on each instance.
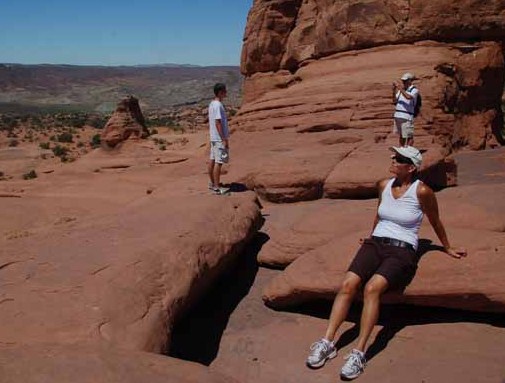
(354, 366)
(221, 191)
(212, 187)
(320, 352)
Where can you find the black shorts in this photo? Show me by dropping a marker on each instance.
(397, 264)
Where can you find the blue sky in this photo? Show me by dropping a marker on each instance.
(122, 32)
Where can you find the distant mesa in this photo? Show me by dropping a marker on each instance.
(125, 123)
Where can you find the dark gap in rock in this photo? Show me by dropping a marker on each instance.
(197, 336)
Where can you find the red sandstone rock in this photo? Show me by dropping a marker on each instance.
(297, 229)
(126, 265)
(300, 228)
(346, 98)
(282, 34)
(315, 67)
(472, 283)
(127, 121)
(63, 364)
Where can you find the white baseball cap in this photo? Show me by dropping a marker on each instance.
(411, 153)
(408, 76)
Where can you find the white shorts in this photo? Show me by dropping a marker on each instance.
(219, 153)
(403, 127)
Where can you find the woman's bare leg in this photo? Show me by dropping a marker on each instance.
(343, 300)
(372, 292)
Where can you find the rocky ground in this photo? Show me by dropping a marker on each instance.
(108, 256)
(234, 332)
(113, 254)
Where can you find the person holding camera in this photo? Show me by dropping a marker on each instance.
(405, 98)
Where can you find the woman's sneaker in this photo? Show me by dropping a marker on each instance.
(354, 366)
(320, 352)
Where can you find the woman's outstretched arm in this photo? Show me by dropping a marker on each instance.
(429, 205)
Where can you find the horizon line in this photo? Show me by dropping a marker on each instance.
(121, 65)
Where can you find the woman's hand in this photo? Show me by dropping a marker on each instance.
(456, 253)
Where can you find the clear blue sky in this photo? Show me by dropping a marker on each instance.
(122, 32)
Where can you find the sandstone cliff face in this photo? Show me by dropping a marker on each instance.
(463, 85)
(281, 34)
(318, 83)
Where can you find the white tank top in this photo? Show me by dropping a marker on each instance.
(399, 218)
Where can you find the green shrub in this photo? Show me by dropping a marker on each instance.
(60, 151)
(45, 145)
(30, 175)
(65, 137)
(95, 141)
(159, 141)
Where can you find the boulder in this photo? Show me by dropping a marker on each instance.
(126, 122)
(287, 166)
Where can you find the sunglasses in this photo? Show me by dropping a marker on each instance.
(402, 160)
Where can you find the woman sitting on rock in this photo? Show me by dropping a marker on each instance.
(387, 260)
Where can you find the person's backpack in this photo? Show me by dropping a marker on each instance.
(418, 104)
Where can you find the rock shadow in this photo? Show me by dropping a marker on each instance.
(197, 336)
(394, 318)
(236, 187)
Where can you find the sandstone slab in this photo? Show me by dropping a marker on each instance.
(472, 283)
(119, 274)
(297, 229)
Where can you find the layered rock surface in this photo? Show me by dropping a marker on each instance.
(107, 253)
(323, 71)
(317, 241)
(282, 34)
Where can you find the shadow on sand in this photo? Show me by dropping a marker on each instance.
(197, 336)
(236, 187)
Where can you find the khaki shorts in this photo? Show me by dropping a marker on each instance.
(403, 127)
(219, 153)
(397, 264)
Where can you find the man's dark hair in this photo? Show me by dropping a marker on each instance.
(218, 88)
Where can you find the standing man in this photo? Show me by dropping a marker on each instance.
(219, 146)
(405, 99)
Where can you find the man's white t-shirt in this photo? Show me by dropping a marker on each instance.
(405, 107)
(217, 112)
